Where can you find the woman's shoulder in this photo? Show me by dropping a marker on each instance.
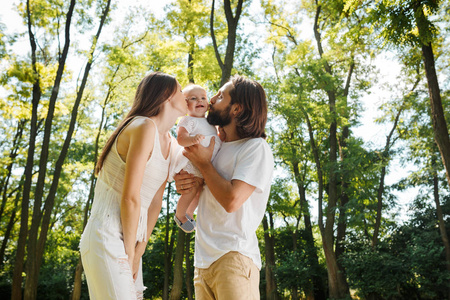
(142, 126)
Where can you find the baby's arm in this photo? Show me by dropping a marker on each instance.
(185, 140)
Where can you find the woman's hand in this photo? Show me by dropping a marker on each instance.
(131, 263)
(138, 252)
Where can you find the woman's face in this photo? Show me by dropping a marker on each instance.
(178, 101)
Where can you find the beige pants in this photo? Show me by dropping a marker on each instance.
(233, 276)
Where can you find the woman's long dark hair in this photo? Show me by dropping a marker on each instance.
(151, 93)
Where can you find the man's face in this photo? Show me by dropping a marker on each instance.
(220, 107)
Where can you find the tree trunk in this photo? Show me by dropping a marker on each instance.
(16, 289)
(440, 129)
(317, 289)
(343, 151)
(177, 286)
(12, 156)
(271, 284)
(9, 227)
(34, 265)
(189, 274)
(337, 283)
(440, 216)
(76, 291)
(232, 23)
(191, 64)
(168, 247)
(441, 134)
(380, 192)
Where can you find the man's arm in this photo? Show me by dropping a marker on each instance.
(230, 194)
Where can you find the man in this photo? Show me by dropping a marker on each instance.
(233, 202)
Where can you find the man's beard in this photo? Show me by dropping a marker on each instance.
(220, 118)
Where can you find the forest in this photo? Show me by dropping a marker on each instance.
(360, 201)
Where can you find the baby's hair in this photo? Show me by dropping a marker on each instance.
(192, 86)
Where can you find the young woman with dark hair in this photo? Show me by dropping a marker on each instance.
(132, 173)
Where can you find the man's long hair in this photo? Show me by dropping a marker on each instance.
(252, 118)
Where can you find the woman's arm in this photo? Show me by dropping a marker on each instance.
(185, 140)
(153, 212)
(140, 146)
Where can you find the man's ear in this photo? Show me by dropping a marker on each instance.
(236, 108)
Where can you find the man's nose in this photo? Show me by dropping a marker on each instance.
(213, 100)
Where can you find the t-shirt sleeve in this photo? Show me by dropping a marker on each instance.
(188, 123)
(255, 165)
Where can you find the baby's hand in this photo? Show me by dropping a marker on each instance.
(196, 139)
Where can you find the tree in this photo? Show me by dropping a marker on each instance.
(232, 23)
(410, 23)
(37, 233)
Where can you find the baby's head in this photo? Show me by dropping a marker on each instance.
(197, 100)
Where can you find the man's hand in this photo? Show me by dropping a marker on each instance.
(184, 182)
(200, 156)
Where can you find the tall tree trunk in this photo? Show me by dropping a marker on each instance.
(271, 284)
(385, 158)
(441, 134)
(39, 245)
(32, 267)
(12, 156)
(317, 291)
(232, 22)
(177, 286)
(16, 289)
(168, 247)
(440, 129)
(337, 283)
(440, 216)
(9, 227)
(191, 64)
(189, 274)
(343, 145)
(380, 192)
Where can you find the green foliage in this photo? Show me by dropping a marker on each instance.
(408, 263)
(406, 23)
(275, 45)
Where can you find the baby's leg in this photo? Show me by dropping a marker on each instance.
(194, 203)
(183, 204)
(188, 203)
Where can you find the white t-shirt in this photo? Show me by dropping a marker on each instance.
(219, 232)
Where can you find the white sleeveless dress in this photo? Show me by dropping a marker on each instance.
(105, 262)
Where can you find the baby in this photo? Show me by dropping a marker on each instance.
(192, 129)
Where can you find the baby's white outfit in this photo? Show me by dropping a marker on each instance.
(105, 262)
(195, 126)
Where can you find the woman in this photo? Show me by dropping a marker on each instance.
(132, 173)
